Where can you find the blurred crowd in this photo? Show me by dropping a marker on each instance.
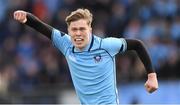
(29, 63)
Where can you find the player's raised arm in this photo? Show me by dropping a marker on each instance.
(32, 21)
(151, 84)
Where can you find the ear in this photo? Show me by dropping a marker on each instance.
(68, 29)
(90, 28)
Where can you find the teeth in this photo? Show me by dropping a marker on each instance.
(78, 39)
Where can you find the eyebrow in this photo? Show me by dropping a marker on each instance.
(80, 28)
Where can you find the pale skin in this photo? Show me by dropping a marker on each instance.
(80, 33)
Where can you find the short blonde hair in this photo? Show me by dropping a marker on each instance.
(80, 14)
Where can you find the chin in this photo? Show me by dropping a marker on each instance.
(78, 46)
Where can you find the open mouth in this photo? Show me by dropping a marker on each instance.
(78, 40)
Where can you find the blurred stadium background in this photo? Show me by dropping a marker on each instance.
(33, 71)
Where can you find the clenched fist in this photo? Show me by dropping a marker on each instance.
(20, 16)
(151, 84)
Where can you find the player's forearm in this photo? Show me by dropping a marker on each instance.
(38, 25)
(139, 47)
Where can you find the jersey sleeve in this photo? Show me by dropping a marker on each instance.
(114, 45)
(60, 40)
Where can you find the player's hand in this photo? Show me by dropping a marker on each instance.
(20, 16)
(151, 84)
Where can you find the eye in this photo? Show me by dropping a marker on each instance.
(82, 29)
(74, 29)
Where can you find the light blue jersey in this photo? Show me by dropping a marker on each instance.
(93, 70)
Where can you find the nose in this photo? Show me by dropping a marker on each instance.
(78, 33)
